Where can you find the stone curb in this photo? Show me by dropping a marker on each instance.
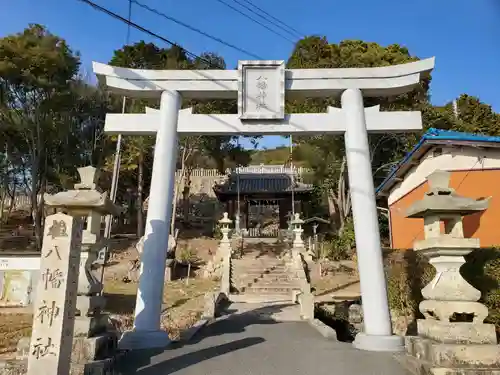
(193, 330)
(325, 331)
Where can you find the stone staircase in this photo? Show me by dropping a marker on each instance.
(257, 278)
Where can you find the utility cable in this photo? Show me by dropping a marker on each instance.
(292, 30)
(201, 32)
(264, 17)
(146, 31)
(116, 169)
(256, 21)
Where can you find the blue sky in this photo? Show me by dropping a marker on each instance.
(463, 34)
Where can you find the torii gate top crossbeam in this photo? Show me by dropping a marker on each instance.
(224, 84)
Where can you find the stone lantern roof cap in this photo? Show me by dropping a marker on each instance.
(443, 200)
(225, 219)
(86, 196)
(83, 202)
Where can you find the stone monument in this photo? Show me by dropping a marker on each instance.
(86, 201)
(453, 338)
(54, 314)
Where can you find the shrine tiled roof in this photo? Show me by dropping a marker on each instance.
(261, 183)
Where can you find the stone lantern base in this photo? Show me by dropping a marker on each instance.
(444, 347)
(438, 358)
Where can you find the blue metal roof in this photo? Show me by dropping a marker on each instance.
(431, 136)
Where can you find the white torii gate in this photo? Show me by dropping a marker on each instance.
(260, 88)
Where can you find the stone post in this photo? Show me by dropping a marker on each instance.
(147, 332)
(54, 314)
(377, 335)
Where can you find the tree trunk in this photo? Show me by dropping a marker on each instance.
(38, 219)
(3, 197)
(174, 202)
(35, 212)
(185, 195)
(140, 187)
(12, 201)
(177, 187)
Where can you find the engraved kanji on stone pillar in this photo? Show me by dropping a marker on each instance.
(54, 314)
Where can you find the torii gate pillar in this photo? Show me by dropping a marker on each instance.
(147, 332)
(260, 89)
(376, 316)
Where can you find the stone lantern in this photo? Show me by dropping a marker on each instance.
(87, 200)
(225, 253)
(297, 230)
(453, 327)
(225, 224)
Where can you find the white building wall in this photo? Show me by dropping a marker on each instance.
(451, 159)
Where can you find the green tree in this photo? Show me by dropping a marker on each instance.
(50, 118)
(194, 151)
(326, 153)
(475, 116)
(36, 72)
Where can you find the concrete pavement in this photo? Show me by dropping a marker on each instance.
(253, 343)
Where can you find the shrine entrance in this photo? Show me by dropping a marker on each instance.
(263, 218)
(259, 198)
(260, 87)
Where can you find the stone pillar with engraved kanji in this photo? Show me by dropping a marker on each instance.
(55, 305)
(86, 201)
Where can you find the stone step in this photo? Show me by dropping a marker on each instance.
(266, 283)
(264, 277)
(258, 263)
(251, 269)
(419, 366)
(255, 298)
(246, 271)
(271, 288)
(259, 260)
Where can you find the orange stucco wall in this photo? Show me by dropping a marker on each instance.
(472, 184)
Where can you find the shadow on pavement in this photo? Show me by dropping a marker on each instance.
(136, 362)
(231, 322)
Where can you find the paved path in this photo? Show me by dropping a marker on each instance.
(255, 344)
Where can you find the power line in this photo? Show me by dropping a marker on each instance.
(301, 35)
(286, 28)
(129, 18)
(256, 21)
(158, 13)
(146, 31)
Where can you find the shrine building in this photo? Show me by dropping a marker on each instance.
(265, 194)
